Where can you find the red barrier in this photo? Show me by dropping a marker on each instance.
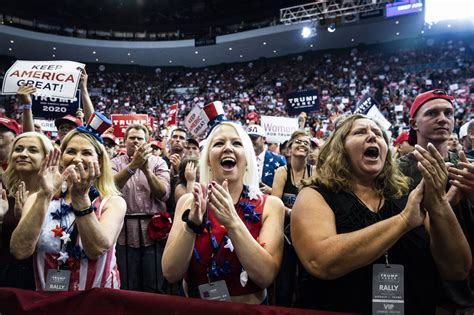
(121, 302)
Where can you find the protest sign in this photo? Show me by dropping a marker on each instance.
(364, 104)
(51, 78)
(278, 129)
(46, 125)
(196, 122)
(172, 116)
(370, 107)
(121, 122)
(302, 101)
(53, 107)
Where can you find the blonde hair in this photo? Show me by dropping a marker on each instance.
(11, 177)
(105, 183)
(335, 171)
(251, 174)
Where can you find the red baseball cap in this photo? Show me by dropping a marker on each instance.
(419, 101)
(401, 138)
(10, 124)
(110, 137)
(156, 144)
(68, 119)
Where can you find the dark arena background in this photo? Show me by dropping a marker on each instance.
(282, 65)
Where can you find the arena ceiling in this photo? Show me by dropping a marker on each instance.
(150, 15)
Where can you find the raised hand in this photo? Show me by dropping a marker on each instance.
(175, 161)
(24, 94)
(221, 203)
(49, 177)
(82, 179)
(190, 171)
(414, 214)
(198, 208)
(435, 175)
(3, 202)
(21, 195)
(141, 155)
(463, 178)
(83, 79)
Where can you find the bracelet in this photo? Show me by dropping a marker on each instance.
(194, 227)
(131, 171)
(83, 212)
(25, 106)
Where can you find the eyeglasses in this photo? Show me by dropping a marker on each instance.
(439, 92)
(302, 142)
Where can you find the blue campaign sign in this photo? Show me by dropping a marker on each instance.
(53, 108)
(364, 104)
(302, 101)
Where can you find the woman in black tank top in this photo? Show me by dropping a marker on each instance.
(286, 185)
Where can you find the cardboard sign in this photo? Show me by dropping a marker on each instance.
(121, 122)
(46, 125)
(196, 122)
(278, 129)
(51, 78)
(303, 101)
(172, 116)
(364, 104)
(53, 108)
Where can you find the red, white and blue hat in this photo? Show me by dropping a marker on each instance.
(96, 126)
(215, 112)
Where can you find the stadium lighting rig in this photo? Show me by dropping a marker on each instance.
(328, 9)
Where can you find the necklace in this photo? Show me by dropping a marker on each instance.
(244, 206)
(293, 177)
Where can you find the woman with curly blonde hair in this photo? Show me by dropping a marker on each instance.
(354, 222)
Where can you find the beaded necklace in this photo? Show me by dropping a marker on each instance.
(247, 208)
(69, 253)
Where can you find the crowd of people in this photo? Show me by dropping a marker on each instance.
(331, 211)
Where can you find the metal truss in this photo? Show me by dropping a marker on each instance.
(328, 9)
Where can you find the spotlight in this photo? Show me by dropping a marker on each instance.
(306, 32)
(309, 31)
(332, 27)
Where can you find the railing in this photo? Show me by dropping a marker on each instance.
(109, 301)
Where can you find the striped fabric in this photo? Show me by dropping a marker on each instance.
(100, 273)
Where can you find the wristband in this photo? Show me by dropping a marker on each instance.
(25, 106)
(131, 171)
(194, 227)
(83, 212)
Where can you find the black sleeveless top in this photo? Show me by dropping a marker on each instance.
(290, 191)
(353, 291)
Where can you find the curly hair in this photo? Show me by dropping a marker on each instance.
(334, 170)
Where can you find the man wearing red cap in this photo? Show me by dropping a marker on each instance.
(66, 124)
(402, 145)
(110, 143)
(432, 121)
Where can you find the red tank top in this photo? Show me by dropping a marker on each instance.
(197, 273)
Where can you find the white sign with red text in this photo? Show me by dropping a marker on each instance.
(278, 129)
(196, 122)
(51, 78)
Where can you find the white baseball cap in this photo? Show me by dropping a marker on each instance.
(256, 130)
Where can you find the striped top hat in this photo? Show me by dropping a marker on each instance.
(215, 112)
(96, 126)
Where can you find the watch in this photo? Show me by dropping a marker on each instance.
(194, 227)
(83, 212)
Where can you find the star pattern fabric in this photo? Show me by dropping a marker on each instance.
(58, 231)
(63, 256)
